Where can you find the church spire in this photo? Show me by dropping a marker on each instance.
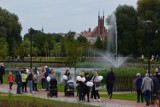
(103, 14)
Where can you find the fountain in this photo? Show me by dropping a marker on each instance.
(111, 57)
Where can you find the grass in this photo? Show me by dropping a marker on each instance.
(128, 97)
(27, 101)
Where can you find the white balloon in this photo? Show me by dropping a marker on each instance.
(48, 78)
(100, 78)
(78, 78)
(27, 71)
(65, 77)
(89, 84)
(83, 79)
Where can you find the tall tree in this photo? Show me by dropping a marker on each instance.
(127, 21)
(149, 10)
(10, 28)
(3, 48)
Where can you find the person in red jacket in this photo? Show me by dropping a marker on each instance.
(10, 80)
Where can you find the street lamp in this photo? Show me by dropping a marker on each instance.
(30, 31)
(59, 50)
(149, 22)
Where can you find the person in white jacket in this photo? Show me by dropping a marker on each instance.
(147, 86)
(96, 86)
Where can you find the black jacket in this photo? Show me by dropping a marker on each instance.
(110, 78)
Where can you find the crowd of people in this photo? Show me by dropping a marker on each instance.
(87, 86)
(30, 78)
(147, 86)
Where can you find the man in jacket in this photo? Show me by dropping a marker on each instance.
(110, 79)
(18, 80)
(147, 87)
(2, 72)
(138, 84)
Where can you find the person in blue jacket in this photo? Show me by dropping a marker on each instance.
(46, 75)
(138, 84)
(18, 80)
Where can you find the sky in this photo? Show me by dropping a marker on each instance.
(61, 16)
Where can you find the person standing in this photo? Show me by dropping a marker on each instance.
(80, 87)
(18, 80)
(43, 77)
(35, 80)
(10, 80)
(110, 80)
(2, 72)
(138, 84)
(24, 80)
(87, 88)
(147, 86)
(30, 81)
(96, 86)
(67, 73)
(46, 75)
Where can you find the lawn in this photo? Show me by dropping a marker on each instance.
(129, 97)
(7, 100)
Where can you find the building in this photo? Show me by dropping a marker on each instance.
(98, 31)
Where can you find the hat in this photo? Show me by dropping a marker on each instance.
(156, 69)
(147, 75)
(138, 74)
(1, 64)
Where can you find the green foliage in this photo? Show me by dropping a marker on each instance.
(127, 20)
(3, 48)
(72, 52)
(10, 29)
(99, 43)
(148, 10)
(124, 75)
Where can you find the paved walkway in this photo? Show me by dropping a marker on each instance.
(105, 102)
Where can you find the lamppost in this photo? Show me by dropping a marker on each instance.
(59, 50)
(149, 22)
(30, 31)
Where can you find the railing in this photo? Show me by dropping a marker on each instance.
(124, 84)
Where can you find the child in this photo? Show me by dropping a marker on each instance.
(10, 80)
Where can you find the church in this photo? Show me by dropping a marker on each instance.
(98, 31)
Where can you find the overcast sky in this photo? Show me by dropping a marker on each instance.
(61, 15)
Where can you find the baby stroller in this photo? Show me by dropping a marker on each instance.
(69, 88)
(52, 88)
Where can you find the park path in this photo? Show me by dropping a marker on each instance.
(105, 102)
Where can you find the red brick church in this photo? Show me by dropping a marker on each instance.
(98, 31)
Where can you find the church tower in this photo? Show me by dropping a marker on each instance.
(101, 28)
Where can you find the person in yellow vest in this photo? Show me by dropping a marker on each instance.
(24, 81)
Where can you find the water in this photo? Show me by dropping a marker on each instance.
(111, 57)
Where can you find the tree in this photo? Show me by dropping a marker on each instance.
(127, 21)
(149, 10)
(98, 44)
(3, 48)
(10, 29)
(42, 43)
